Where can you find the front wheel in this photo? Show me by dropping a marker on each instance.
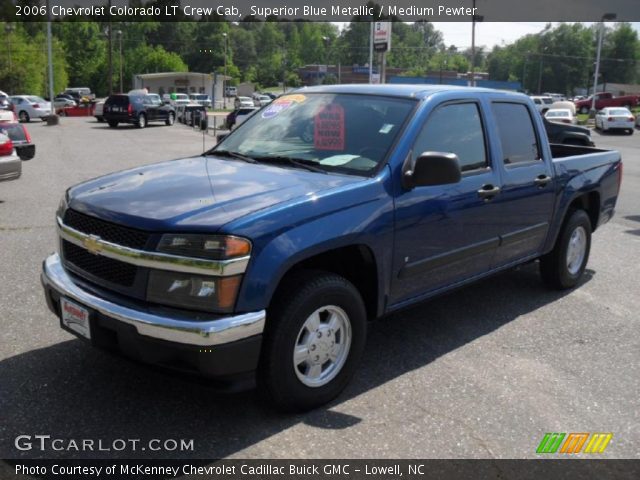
(170, 119)
(564, 265)
(315, 336)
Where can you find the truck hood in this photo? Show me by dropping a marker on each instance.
(195, 194)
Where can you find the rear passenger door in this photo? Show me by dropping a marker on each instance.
(527, 194)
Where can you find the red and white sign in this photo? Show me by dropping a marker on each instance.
(382, 36)
(328, 131)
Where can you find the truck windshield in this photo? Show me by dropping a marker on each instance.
(335, 132)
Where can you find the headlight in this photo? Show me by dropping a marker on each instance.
(193, 292)
(213, 247)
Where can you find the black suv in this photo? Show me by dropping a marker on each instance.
(137, 109)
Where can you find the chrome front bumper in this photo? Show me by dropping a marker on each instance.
(188, 332)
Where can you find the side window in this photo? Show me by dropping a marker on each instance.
(455, 129)
(517, 135)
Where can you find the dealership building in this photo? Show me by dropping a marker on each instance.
(183, 82)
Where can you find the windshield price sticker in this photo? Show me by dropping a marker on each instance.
(328, 132)
(281, 104)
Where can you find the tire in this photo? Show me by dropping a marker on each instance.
(142, 121)
(170, 119)
(631, 131)
(562, 267)
(584, 110)
(113, 123)
(100, 119)
(23, 117)
(295, 387)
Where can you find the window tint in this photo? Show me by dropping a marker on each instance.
(517, 135)
(455, 129)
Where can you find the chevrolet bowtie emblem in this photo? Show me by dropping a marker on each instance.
(92, 244)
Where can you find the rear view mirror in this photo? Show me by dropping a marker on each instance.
(432, 168)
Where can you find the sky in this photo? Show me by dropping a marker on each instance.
(490, 34)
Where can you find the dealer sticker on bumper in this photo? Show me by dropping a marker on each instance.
(75, 317)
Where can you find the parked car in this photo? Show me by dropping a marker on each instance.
(4, 101)
(179, 99)
(542, 103)
(20, 138)
(230, 91)
(606, 99)
(98, 110)
(266, 256)
(238, 116)
(200, 98)
(566, 134)
(262, 100)
(79, 93)
(638, 120)
(60, 103)
(138, 110)
(27, 107)
(612, 118)
(243, 102)
(10, 163)
(562, 115)
(8, 116)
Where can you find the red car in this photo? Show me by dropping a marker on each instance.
(20, 138)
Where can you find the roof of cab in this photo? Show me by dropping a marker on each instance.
(394, 90)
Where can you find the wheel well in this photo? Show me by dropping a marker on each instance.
(356, 263)
(590, 203)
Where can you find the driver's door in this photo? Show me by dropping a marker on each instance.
(447, 234)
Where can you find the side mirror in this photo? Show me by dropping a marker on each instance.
(221, 137)
(432, 168)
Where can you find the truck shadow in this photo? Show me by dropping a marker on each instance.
(70, 390)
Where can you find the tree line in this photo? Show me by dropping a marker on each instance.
(558, 59)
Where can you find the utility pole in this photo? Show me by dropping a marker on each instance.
(53, 119)
(110, 54)
(606, 16)
(119, 32)
(474, 18)
(224, 80)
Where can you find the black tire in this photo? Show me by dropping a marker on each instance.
(300, 296)
(554, 267)
(113, 123)
(23, 117)
(171, 118)
(142, 121)
(631, 131)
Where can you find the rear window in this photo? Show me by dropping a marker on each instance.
(517, 135)
(548, 101)
(117, 100)
(14, 131)
(35, 99)
(620, 111)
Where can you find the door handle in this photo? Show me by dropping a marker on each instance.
(542, 180)
(488, 191)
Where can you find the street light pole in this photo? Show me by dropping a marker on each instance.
(606, 16)
(119, 32)
(474, 18)
(224, 80)
(110, 54)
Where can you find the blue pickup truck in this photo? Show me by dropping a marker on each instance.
(264, 258)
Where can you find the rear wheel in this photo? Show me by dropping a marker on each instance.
(564, 265)
(113, 123)
(170, 119)
(23, 116)
(142, 120)
(315, 336)
(584, 110)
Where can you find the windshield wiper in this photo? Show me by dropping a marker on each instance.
(228, 153)
(298, 162)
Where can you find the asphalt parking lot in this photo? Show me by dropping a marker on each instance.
(483, 372)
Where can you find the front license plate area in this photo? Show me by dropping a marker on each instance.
(75, 318)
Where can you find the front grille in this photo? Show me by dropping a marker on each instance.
(110, 232)
(107, 269)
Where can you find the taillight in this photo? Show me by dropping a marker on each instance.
(610, 119)
(35, 105)
(631, 119)
(566, 121)
(130, 109)
(6, 148)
